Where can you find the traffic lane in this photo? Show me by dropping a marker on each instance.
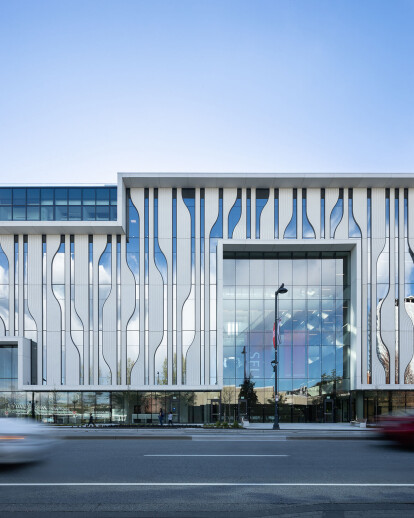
(208, 501)
(179, 461)
(126, 461)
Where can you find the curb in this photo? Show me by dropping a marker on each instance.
(191, 438)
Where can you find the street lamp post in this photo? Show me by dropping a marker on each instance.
(281, 289)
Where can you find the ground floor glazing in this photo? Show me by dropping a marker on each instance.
(139, 408)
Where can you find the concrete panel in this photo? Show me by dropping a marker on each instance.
(7, 245)
(81, 282)
(229, 199)
(253, 213)
(285, 210)
(72, 352)
(360, 210)
(109, 321)
(20, 285)
(342, 230)
(184, 286)
(360, 216)
(165, 244)
(407, 313)
(313, 210)
(388, 306)
(267, 218)
(377, 246)
(99, 245)
(299, 219)
(53, 318)
(129, 306)
(34, 290)
(156, 300)
(211, 215)
(192, 357)
(331, 197)
(239, 231)
(138, 371)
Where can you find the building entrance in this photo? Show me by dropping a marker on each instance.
(328, 410)
(215, 410)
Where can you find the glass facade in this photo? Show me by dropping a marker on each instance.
(314, 332)
(141, 408)
(152, 313)
(58, 204)
(126, 408)
(8, 367)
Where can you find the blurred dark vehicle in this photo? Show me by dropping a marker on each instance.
(24, 440)
(398, 428)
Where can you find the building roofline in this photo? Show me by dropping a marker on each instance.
(235, 179)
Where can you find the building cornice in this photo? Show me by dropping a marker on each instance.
(266, 180)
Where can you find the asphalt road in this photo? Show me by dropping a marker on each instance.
(213, 477)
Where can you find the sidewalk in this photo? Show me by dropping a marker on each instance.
(335, 427)
(288, 431)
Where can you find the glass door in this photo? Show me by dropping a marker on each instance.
(214, 410)
(328, 410)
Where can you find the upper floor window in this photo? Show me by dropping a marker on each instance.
(58, 204)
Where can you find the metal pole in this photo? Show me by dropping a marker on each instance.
(276, 421)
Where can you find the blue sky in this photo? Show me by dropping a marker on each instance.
(90, 88)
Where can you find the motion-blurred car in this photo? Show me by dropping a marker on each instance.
(24, 440)
(398, 427)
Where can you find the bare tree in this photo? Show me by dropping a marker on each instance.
(227, 396)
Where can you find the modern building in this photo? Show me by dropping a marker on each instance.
(159, 292)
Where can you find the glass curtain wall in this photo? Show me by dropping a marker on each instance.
(314, 334)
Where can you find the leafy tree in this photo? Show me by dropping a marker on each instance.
(248, 393)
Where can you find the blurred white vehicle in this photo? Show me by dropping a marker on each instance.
(24, 440)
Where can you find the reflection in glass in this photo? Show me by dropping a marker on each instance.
(235, 214)
(58, 288)
(314, 346)
(262, 197)
(354, 229)
(146, 286)
(383, 287)
(76, 324)
(291, 229)
(408, 284)
(4, 294)
(59, 203)
(397, 284)
(215, 234)
(132, 251)
(161, 264)
(188, 311)
(307, 229)
(105, 286)
(174, 268)
(337, 213)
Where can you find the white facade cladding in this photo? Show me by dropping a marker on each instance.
(134, 302)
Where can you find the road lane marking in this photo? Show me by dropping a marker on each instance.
(238, 440)
(212, 455)
(203, 484)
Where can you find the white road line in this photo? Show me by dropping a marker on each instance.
(202, 484)
(195, 455)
